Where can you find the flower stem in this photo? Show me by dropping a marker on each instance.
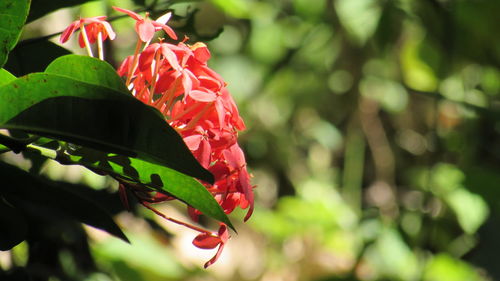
(193, 227)
(135, 61)
(155, 77)
(99, 46)
(167, 97)
(86, 40)
(195, 119)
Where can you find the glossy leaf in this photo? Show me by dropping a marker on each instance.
(28, 192)
(6, 77)
(95, 72)
(95, 116)
(13, 14)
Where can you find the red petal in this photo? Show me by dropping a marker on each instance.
(206, 241)
(205, 153)
(123, 69)
(130, 13)
(201, 96)
(170, 56)
(109, 30)
(170, 32)
(221, 112)
(216, 257)
(69, 31)
(147, 56)
(193, 142)
(145, 29)
(201, 52)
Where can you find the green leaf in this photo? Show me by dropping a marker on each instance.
(94, 116)
(29, 192)
(471, 209)
(13, 14)
(157, 177)
(97, 72)
(359, 18)
(182, 187)
(25, 58)
(40, 8)
(13, 226)
(444, 267)
(6, 77)
(235, 8)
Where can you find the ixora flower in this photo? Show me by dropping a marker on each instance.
(176, 79)
(146, 28)
(91, 30)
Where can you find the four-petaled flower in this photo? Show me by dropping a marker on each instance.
(146, 28)
(91, 30)
(92, 26)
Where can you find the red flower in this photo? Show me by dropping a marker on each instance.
(93, 26)
(146, 28)
(212, 240)
(195, 101)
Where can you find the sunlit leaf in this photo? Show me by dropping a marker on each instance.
(12, 17)
(417, 73)
(235, 8)
(446, 268)
(6, 77)
(94, 72)
(392, 257)
(359, 18)
(471, 209)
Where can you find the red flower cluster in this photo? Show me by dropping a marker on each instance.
(175, 79)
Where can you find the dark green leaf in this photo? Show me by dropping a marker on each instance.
(25, 58)
(94, 116)
(12, 17)
(40, 8)
(96, 72)
(157, 177)
(25, 190)
(13, 226)
(13, 144)
(184, 188)
(6, 77)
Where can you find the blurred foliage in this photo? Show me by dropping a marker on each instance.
(373, 137)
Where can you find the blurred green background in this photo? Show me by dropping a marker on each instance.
(373, 137)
